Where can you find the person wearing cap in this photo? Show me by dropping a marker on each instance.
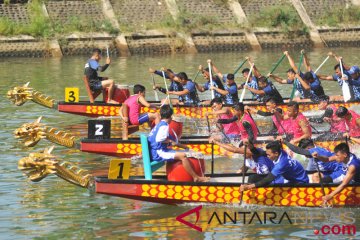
(330, 170)
(284, 166)
(308, 84)
(337, 125)
(174, 86)
(230, 92)
(339, 77)
(300, 126)
(352, 120)
(351, 166)
(216, 82)
(189, 94)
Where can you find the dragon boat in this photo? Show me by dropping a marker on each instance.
(20, 94)
(31, 133)
(222, 188)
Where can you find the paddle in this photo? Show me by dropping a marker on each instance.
(107, 52)
(197, 74)
(277, 63)
(294, 84)
(321, 64)
(155, 92)
(254, 121)
(240, 66)
(247, 80)
(211, 80)
(167, 90)
(345, 85)
(243, 174)
(212, 147)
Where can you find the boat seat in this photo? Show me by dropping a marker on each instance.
(149, 167)
(92, 94)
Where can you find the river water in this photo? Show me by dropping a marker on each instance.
(53, 209)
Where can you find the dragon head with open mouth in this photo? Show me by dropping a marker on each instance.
(20, 94)
(31, 133)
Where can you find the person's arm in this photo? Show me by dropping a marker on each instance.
(262, 183)
(199, 88)
(227, 121)
(304, 127)
(349, 176)
(179, 93)
(355, 140)
(325, 77)
(256, 72)
(264, 114)
(306, 61)
(354, 82)
(224, 110)
(159, 73)
(278, 79)
(256, 91)
(161, 89)
(216, 71)
(249, 130)
(219, 90)
(304, 84)
(291, 61)
(297, 149)
(230, 147)
(145, 103)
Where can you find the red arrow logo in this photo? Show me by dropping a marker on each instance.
(197, 211)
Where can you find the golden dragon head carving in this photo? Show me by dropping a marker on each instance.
(38, 165)
(19, 95)
(31, 133)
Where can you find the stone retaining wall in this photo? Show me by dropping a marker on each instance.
(140, 19)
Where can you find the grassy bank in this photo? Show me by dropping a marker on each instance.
(40, 26)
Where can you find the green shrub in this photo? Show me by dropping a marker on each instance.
(282, 17)
(339, 16)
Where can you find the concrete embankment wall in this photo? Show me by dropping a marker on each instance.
(141, 27)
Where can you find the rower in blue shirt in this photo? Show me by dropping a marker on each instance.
(351, 164)
(230, 92)
(289, 169)
(331, 171)
(174, 86)
(216, 82)
(188, 94)
(159, 141)
(308, 84)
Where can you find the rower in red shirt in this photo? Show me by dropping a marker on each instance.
(298, 123)
(352, 120)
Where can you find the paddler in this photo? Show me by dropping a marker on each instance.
(351, 164)
(337, 125)
(96, 82)
(216, 82)
(174, 86)
(230, 92)
(352, 120)
(159, 141)
(297, 122)
(231, 130)
(330, 170)
(247, 125)
(280, 126)
(130, 110)
(189, 94)
(308, 84)
(284, 166)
